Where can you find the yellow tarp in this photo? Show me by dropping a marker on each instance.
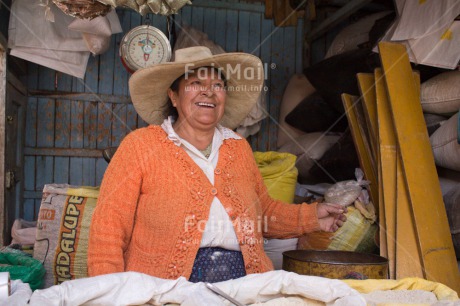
(441, 291)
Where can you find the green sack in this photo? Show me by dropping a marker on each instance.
(22, 266)
(279, 173)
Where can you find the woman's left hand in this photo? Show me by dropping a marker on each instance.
(331, 216)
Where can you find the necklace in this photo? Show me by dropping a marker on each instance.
(206, 152)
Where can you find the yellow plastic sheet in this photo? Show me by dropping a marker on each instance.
(441, 291)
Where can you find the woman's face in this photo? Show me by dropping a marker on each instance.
(200, 99)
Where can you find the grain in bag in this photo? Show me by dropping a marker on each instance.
(62, 231)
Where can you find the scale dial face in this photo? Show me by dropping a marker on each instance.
(144, 46)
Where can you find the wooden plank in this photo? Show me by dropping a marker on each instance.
(243, 32)
(118, 124)
(76, 141)
(101, 166)
(366, 83)
(269, 9)
(231, 36)
(69, 152)
(278, 84)
(254, 43)
(45, 167)
(237, 6)
(45, 129)
(435, 242)
(62, 127)
(104, 117)
(81, 96)
(91, 76)
(186, 16)
(265, 56)
(221, 19)
(341, 14)
(76, 171)
(408, 257)
(29, 210)
(120, 74)
(388, 160)
(197, 18)
(353, 111)
(33, 195)
(89, 125)
(88, 172)
(298, 46)
(209, 23)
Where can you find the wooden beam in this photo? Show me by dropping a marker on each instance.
(366, 83)
(28, 151)
(427, 206)
(3, 221)
(387, 149)
(353, 111)
(246, 7)
(336, 18)
(80, 96)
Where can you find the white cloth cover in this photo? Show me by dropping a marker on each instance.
(132, 288)
(429, 31)
(419, 18)
(51, 44)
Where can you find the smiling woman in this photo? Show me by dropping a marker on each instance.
(184, 196)
(199, 98)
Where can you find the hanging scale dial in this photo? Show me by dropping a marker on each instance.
(144, 46)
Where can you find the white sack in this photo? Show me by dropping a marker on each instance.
(132, 288)
(20, 294)
(274, 249)
(441, 94)
(296, 90)
(23, 232)
(446, 149)
(354, 34)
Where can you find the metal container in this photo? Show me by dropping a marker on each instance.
(336, 264)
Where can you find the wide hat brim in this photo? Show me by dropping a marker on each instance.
(244, 73)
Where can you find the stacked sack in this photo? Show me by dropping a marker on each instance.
(440, 98)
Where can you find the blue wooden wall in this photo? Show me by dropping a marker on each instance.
(65, 137)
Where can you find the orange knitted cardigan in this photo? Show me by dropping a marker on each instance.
(154, 202)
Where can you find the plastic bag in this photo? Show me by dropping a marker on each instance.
(23, 267)
(346, 192)
(23, 232)
(279, 174)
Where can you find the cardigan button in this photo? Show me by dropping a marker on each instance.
(217, 171)
(214, 191)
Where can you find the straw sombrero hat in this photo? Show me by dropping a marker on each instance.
(244, 73)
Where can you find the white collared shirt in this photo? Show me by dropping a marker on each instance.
(219, 231)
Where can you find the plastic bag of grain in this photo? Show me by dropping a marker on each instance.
(346, 192)
(62, 231)
(280, 177)
(359, 233)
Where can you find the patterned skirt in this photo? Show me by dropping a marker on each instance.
(216, 265)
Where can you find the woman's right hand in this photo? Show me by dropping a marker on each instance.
(331, 216)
